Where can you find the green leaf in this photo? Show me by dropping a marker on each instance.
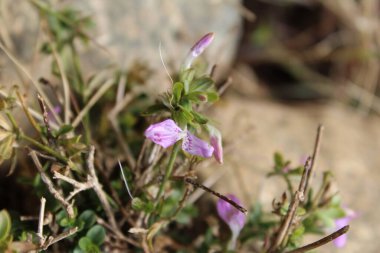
(186, 78)
(97, 234)
(177, 91)
(199, 118)
(212, 96)
(278, 160)
(140, 205)
(186, 113)
(88, 218)
(197, 97)
(5, 225)
(64, 130)
(86, 245)
(202, 84)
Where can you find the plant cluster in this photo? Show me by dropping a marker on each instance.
(115, 170)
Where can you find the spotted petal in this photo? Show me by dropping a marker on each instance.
(196, 146)
(165, 133)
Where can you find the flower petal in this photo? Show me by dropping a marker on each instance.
(198, 49)
(196, 146)
(216, 143)
(230, 215)
(165, 133)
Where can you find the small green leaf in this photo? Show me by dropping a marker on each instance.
(177, 91)
(140, 205)
(97, 234)
(199, 118)
(186, 78)
(197, 97)
(186, 113)
(86, 245)
(88, 218)
(64, 130)
(212, 96)
(202, 84)
(5, 225)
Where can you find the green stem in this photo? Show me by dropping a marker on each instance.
(169, 170)
(44, 148)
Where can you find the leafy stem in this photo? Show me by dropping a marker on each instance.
(169, 170)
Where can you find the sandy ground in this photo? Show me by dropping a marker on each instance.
(256, 127)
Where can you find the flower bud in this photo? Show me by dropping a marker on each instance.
(198, 49)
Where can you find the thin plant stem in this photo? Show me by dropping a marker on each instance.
(44, 148)
(168, 171)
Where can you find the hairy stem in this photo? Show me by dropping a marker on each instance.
(168, 171)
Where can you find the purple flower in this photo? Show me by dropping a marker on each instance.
(233, 217)
(216, 143)
(195, 146)
(341, 241)
(167, 132)
(198, 49)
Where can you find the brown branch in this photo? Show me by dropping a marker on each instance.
(317, 145)
(287, 221)
(233, 203)
(99, 191)
(298, 197)
(322, 241)
(57, 195)
(41, 219)
(51, 240)
(45, 116)
(78, 186)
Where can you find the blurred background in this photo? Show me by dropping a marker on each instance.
(290, 65)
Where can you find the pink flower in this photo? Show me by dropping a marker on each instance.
(216, 143)
(233, 217)
(195, 146)
(167, 132)
(341, 241)
(198, 49)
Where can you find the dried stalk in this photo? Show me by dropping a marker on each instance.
(57, 195)
(298, 197)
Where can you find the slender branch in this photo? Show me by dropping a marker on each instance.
(66, 86)
(78, 186)
(41, 219)
(35, 84)
(45, 148)
(45, 116)
(112, 117)
(298, 197)
(125, 180)
(233, 203)
(27, 113)
(99, 191)
(317, 145)
(92, 101)
(51, 240)
(57, 195)
(322, 241)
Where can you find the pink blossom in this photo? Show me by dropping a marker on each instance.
(341, 241)
(233, 217)
(216, 143)
(167, 132)
(198, 49)
(196, 146)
